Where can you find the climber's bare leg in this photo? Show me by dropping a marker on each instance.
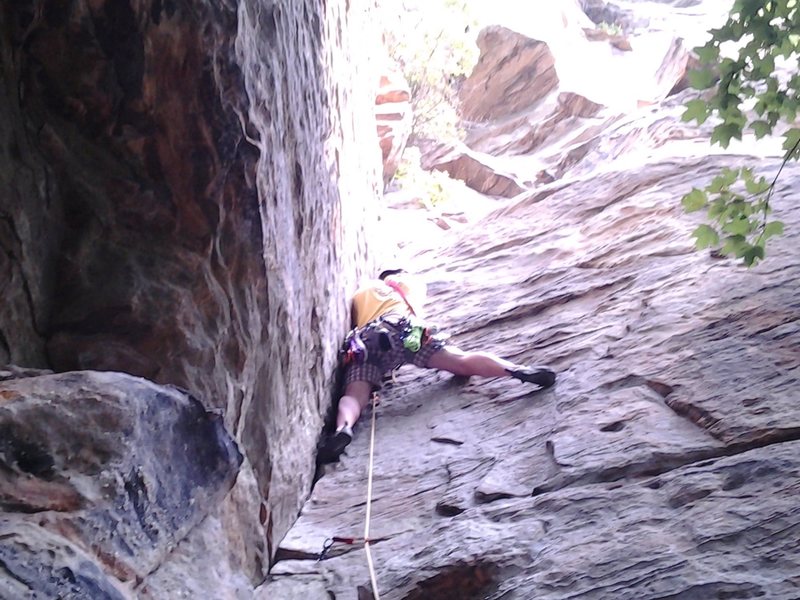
(355, 399)
(482, 364)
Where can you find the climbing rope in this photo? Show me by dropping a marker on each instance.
(372, 577)
(366, 540)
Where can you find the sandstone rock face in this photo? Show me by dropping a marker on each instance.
(664, 463)
(544, 89)
(187, 200)
(478, 170)
(103, 474)
(512, 74)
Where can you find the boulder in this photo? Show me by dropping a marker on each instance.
(537, 105)
(103, 474)
(513, 73)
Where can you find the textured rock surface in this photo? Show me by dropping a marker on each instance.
(187, 185)
(543, 93)
(186, 199)
(512, 74)
(665, 462)
(481, 172)
(101, 475)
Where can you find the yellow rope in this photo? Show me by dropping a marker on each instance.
(372, 577)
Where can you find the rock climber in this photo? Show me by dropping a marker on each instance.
(389, 331)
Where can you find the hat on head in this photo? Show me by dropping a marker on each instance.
(387, 272)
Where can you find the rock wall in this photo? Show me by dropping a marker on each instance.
(665, 461)
(188, 197)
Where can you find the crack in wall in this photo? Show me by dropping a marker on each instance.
(343, 549)
(696, 415)
(17, 261)
(5, 349)
(659, 464)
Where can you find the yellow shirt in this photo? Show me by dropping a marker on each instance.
(377, 299)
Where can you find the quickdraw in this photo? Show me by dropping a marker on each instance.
(350, 541)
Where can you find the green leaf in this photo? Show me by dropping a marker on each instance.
(701, 79)
(773, 228)
(789, 107)
(706, 237)
(791, 139)
(786, 48)
(756, 186)
(735, 244)
(752, 255)
(707, 54)
(740, 226)
(764, 66)
(723, 133)
(694, 200)
(729, 176)
(717, 208)
(748, 91)
(696, 110)
(761, 128)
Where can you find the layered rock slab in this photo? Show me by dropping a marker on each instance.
(103, 474)
(542, 95)
(702, 530)
(676, 372)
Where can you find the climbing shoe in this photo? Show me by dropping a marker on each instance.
(541, 376)
(334, 445)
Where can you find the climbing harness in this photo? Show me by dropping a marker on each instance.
(366, 540)
(370, 342)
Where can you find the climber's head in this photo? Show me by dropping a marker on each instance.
(389, 272)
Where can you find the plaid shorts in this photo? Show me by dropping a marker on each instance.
(383, 339)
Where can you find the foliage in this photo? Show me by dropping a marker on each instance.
(433, 187)
(431, 42)
(751, 93)
(738, 216)
(611, 29)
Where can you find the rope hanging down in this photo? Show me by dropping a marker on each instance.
(372, 577)
(366, 540)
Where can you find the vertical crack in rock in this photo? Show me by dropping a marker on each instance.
(17, 260)
(201, 160)
(136, 489)
(5, 349)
